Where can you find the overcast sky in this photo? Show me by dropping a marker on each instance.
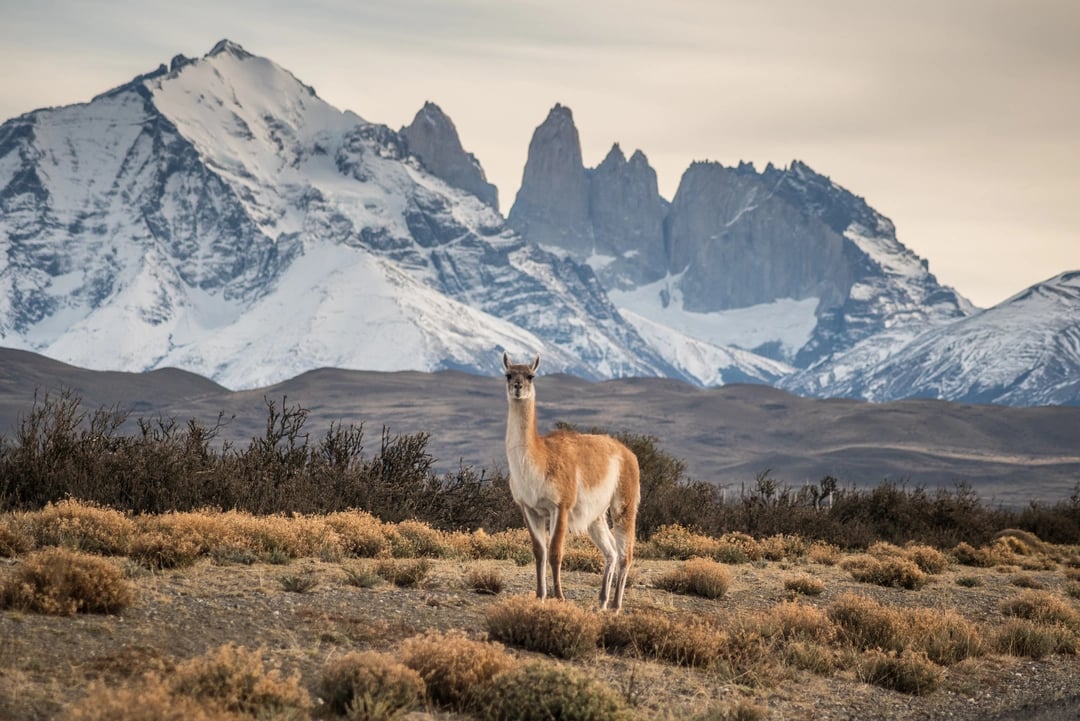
(957, 119)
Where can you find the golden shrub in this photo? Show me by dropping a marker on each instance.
(887, 571)
(235, 679)
(653, 634)
(553, 627)
(414, 539)
(908, 671)
(823, 553)
(83, 526)
(485, 579)
(793, 620)
(369, 686)
(1043, 607)
(150, 700)
(60, 581)
(805, 584)
(406, 573)
(697, 577)
(16, 534)
(945, 636)
(359, 533)
(456, 670)
(679, 543)
(783, 546)
(866, 624)
(541, 692)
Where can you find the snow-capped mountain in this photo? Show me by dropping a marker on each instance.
(217, 215)
(1024, 351)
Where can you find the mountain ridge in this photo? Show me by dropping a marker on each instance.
(216, 214)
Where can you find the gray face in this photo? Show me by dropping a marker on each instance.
(519, 382)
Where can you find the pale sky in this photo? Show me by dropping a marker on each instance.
(957, 119)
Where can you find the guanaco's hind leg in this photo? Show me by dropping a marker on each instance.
(558, 537)
(604, 539)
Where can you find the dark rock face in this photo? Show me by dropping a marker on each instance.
(552, 206)
(628, 219)
(433, 138)
(738, 245)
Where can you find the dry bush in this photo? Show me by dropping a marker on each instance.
(927, 558)
(969, 581)
(866, 624)
(783, 546)
(653, 634)
(298, 582)
(60, 581)
(510, 545)
(16, 534)
(679, 543)
(805, 584)
(234, 679)
(359, 533)
(402, 572)
(556, 628)
(889, 571)
(542, 691)
(369, 686)
(984, 556)
(908, 672)
(1072, 589)
(735, 547)
(362, 576)
(697, 577)
(84, 527)
(278, 539)
(945, 636)
(810, 656)
(150, 700)
(1021, 542)
(456, 670)
(791, 620)
(1022, 637)
(485, 579)
(1026, 581)
(1041, 607)
(413, 539)
(824, 553)
(587, 559)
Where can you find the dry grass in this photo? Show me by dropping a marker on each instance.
(553, 627)
(697, 577)
(59, 581)
(485, 579)
(406, 573)
(456, 670)
(543, 691)
(792, 620)
(1021, 637)
(888, 571)
(907, 672)
(866, 624)
(805, 584)
(1042, 607)
(84, 527)
(824, 553)
(235, 679)
(369, 686)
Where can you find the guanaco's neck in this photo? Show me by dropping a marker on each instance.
(521, 424)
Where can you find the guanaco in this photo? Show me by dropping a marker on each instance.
(568, 481)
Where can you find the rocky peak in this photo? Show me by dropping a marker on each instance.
(433, 138)
(552, 205)
(738, 244)
(627, 218)
(228, 46)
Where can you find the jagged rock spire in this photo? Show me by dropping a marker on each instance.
(433, 138)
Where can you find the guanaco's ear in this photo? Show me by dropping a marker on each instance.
(506, 360)
(535, 363)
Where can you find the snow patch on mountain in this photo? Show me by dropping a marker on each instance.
(786, 321)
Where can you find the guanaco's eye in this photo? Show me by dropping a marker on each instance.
(509, 376)
(530, 377)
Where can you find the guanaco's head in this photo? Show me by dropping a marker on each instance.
(519, 378)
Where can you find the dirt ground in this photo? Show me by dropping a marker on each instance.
(48, 662)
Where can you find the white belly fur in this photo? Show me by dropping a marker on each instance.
(593, 502)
